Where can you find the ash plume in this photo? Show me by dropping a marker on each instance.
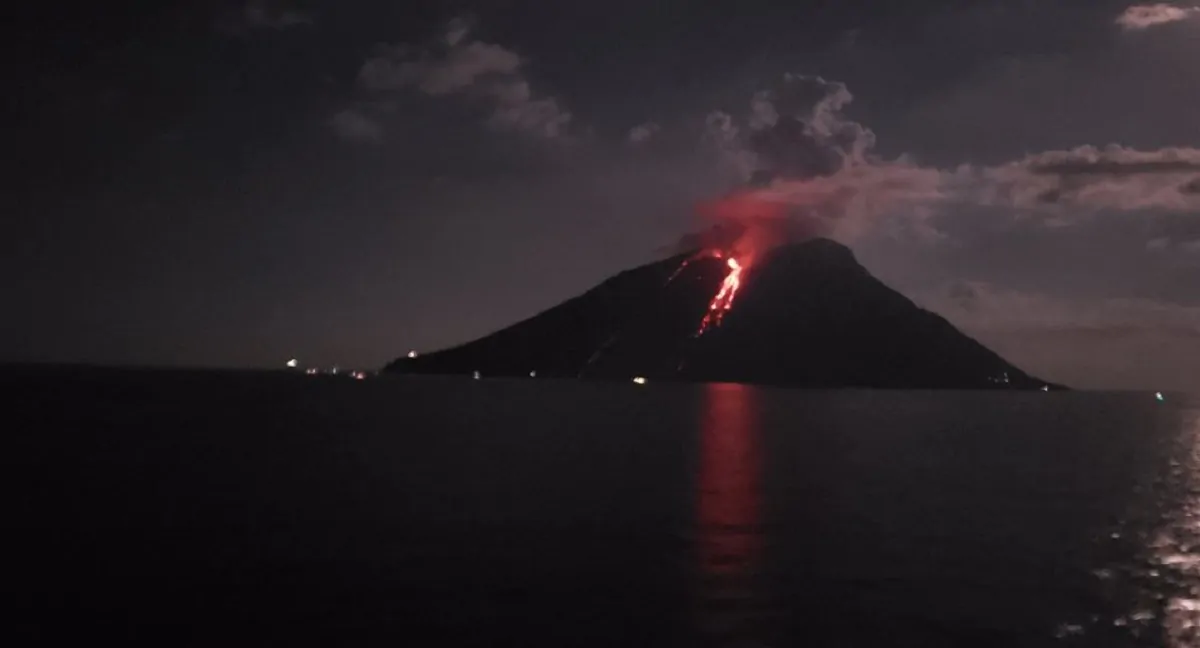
(808, 170)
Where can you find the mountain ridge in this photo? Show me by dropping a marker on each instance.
(806, 315)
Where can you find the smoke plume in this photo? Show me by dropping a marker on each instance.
(807, 170)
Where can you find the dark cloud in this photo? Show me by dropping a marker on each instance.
(789, 149)
(1092, 178)
(351, 124)
(797, 130)
(642, 132)
(456, 65)
(1138, 17)
(458, 69)
(1112, 165)
(261, 14)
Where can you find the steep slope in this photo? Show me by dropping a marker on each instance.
(807, 315)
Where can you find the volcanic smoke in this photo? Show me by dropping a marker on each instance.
(796, 140)
(747, 226)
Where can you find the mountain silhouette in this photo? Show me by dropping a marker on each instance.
(807, 315)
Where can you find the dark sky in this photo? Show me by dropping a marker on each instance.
(239, 183)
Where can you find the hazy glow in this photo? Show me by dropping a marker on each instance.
(639, 380)
(292, 363)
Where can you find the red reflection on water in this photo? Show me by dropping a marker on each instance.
(734, 610)
(728, 508)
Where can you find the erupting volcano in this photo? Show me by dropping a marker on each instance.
(805, 315)
(762, 295)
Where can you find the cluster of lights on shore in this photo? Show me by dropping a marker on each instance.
(637, 380)
(719, 305)
(361, 375)
(476, 375)
(334, 371)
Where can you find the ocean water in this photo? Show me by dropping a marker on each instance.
(225, 508)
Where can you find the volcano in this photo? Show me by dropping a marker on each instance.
(806, 315)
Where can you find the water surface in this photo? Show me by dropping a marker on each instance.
(187, 508)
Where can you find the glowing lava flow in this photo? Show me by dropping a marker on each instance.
(724, 299)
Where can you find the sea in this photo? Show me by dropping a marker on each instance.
(205, 508)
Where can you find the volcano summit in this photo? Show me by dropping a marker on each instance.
(805, 315)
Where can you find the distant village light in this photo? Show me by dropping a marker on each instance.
(412, 354)
(639, 380)
(292, 363)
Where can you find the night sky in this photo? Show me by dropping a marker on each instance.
(236, 184)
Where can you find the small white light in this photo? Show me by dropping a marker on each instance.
(335, 370)
(1045, 388)
(476, 375)
(292, 363)
(311, 372)
(1159, 396)
(639, 380)
(412, 354)
(533, 374)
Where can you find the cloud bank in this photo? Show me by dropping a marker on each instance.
(1089, 179)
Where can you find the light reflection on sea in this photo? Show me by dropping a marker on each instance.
(1174, 551)
(1157, 593)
